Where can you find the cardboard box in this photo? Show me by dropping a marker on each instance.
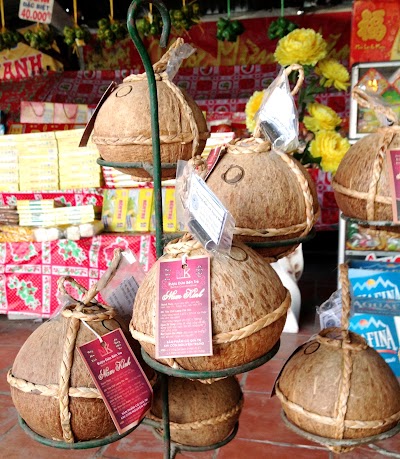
(376, 309)
(382, 333)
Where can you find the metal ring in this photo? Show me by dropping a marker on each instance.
(246, 256)
(123, 89)
(236, 178)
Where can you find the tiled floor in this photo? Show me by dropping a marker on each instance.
(262, 433)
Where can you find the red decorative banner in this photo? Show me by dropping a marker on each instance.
(375, 34)
(252, 47)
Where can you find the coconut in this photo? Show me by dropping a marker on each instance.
(339, 390)
(51, 386)
(362, 183)
(337, 387)
(200, 414)
(122, 129)
(269, 194)
(246, 321)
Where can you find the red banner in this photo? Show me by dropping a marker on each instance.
(252, 47)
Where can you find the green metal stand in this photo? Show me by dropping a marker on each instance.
(78, 445)
(172, 448)
(331, 442)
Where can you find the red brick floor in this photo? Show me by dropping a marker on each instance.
(262, 433)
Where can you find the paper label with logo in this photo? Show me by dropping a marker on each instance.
(206, 208)
(393, 164)
(183, 315)
(120, 379)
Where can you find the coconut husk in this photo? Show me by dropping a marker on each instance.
(122, 129)
(246, 322)
(270, 195)
(361, 183)
(51, 386)
(336, 386)
(200, 415)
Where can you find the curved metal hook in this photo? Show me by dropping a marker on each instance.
(155, 130)
(131, 23)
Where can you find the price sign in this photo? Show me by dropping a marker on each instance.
(36, 10)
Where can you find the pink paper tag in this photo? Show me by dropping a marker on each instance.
(120, 379)
(183, 316)
(393, 163)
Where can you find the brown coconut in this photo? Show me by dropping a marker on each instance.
(267, 193)
(312, 381)
(355, 174)
(39, 363)
(122, 128)
(200, 414)
(245, 292)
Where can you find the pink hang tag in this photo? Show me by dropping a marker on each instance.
(119, 378)
(183, 315)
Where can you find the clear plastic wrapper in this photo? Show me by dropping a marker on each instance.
(120, 291)
(330, 311)
(200, 212)
(278, 117)
(177, 55)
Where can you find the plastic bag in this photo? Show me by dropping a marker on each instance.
(120, 291)
(277, 115)
(330, 312)
(177, 56)
(200, 212)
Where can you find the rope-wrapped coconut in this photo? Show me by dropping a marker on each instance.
(54, 392)
(246, 323)
(122, 129)
(329, 386)
(200, 415)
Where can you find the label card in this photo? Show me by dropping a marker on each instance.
(120, 379)
(36, 10)
(206, 208)
(393, 164)
(183, 315)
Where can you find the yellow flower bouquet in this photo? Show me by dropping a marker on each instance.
(320, 140)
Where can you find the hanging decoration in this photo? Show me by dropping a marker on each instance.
(8, 38)
(149, 25)
(39, 37)
(188, 16)
(228, 30)
(110, 31)
(76, 35)
(281, 26)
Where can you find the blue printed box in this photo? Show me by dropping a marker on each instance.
(381, 333)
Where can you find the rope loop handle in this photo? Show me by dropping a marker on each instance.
(366, 100)
(300, 79)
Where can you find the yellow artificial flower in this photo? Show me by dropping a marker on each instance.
(252, 107)
(333, 73)
(322, 118)
(301, 46)
(372, 26)
(331, 147)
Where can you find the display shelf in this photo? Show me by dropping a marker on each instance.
(345, 254)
